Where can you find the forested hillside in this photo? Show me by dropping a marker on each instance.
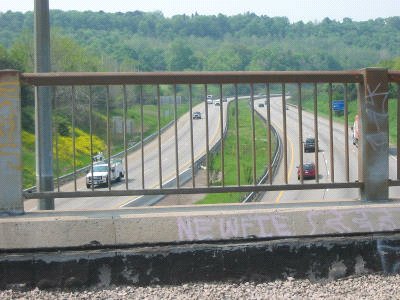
(138, 41)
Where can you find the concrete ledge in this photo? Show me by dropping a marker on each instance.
(313, 258)
(172, 225)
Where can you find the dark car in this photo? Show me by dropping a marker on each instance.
(309, 145)
(308, 171)
(196, 115)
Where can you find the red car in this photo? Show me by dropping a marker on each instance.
(308, 170)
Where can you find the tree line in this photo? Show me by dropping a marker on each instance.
(141, 41)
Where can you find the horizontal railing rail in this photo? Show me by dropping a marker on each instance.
(104, 78)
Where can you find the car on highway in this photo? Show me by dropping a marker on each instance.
(308, 171)
(309, 144)
(209, 101)
(225, 99)
(196, 115)
(101, 171)
(217, 102)
(261, 105)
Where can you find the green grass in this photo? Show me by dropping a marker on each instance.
(245, 152)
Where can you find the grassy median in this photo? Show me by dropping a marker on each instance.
(245, 153)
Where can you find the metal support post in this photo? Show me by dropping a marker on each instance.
(374, 137)
(11, 201)
(43, 106)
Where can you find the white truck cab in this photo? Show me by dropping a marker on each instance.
(101, 172)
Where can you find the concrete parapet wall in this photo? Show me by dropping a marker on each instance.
(164, 225)
(192, 243)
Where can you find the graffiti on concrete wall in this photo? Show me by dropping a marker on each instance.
(354, 220)
(377, 115)
(389, 253)
(206, 228)
(275, 224)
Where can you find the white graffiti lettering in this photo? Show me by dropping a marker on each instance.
(275, 224)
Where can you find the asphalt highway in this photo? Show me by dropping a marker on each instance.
(327, 172)
(151, 161)
(328, 169)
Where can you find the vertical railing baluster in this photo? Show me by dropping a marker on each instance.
(56, 134)
(73, 136)
(237, 135)
(346, 132)
(331, 134)
(285, 141)
(159, 137)
(300, 119)
(269, 138)
(207, 138)
(191, 134)
(253, 134)
(176, 140)
(316, 134)
(91, 134)
(142, 134)
(108, 137)
(398, 131)
(125, 108)
(222, 136)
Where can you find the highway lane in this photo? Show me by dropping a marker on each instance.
(151, 161)
(325, 167)
(324, 158)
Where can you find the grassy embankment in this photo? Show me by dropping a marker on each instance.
(245, 152)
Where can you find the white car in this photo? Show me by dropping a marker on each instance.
(217, 102)
(209, 101)
(101, 172)
(196, 115)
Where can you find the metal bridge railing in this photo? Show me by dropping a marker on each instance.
(148, 167)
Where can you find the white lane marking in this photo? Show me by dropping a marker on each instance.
(326, 164)
(327, 171)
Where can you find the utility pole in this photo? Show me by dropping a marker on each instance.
(43, 106)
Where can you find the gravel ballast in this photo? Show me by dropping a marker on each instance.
(376, 286)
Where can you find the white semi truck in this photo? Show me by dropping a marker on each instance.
(102, 175)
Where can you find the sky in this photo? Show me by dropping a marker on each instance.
(295, 10)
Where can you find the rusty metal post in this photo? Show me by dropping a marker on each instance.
(374, 135)
(11, 201)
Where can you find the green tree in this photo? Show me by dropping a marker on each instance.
(179, 56)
